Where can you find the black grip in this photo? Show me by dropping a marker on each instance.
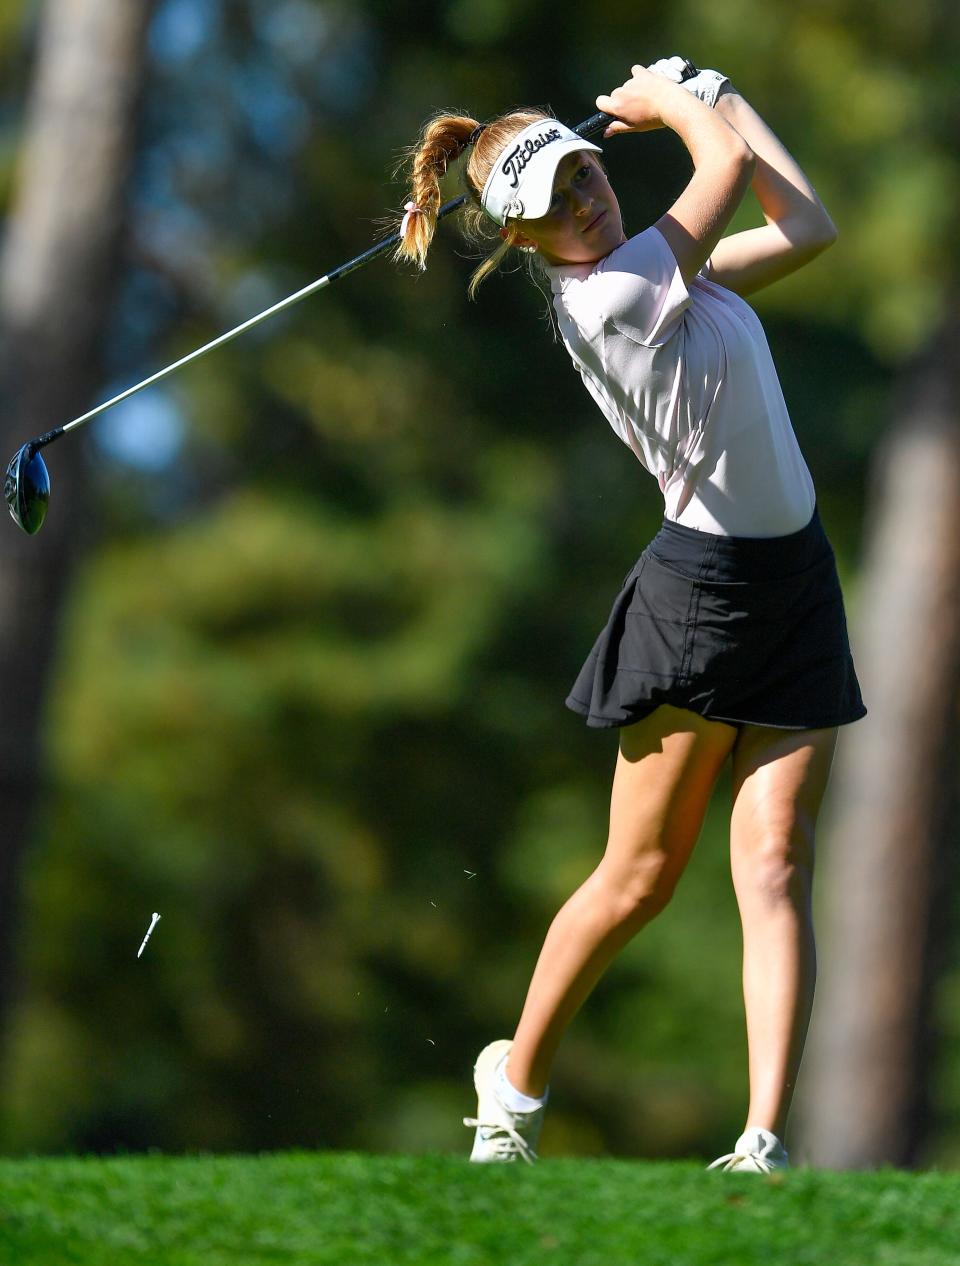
(596, 123)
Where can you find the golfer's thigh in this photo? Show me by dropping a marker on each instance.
(667, 767)
(779, 780)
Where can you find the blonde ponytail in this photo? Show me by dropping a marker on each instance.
(443, 139)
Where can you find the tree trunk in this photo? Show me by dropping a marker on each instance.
(57, 270)
(891, 825)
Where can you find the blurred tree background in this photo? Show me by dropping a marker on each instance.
(307, 697)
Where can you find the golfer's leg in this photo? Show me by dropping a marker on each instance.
(779, 778)
(666, 769)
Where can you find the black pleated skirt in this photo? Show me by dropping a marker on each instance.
(747, 630)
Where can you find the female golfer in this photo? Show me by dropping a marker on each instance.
(728, 638)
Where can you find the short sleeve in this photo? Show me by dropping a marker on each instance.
(640, 289)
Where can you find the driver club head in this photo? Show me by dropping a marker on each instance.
(26, 488)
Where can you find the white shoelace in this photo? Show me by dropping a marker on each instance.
(505, 1139)
(757, 1164)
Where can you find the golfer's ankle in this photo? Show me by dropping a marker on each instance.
(524, 1085)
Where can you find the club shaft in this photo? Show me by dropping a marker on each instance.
(589, 126)
(202, 351)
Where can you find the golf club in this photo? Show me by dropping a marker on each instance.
(26, 486)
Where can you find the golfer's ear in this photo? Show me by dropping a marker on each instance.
(513, 237)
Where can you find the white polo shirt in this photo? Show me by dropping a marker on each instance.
(686, 379)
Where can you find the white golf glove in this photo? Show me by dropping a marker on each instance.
(705, 84)
(670, 68)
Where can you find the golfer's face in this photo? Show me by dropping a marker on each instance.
(583, 223)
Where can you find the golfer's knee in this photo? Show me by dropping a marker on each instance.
(636, 893)
(780, 866)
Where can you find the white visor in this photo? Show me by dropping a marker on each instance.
(520, 186)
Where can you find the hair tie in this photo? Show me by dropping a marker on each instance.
(410, 209)
(475, 134)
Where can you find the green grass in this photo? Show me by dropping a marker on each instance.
(342, 1209)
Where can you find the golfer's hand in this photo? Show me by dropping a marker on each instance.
(638, 104)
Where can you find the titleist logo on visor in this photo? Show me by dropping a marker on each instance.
(520, 155)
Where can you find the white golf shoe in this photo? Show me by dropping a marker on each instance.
(501, 1134)
(756, 1151)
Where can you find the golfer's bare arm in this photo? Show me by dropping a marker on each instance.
(798, 227)
(722, 159)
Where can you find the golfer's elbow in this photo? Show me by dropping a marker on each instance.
(821, 234)
(809, 232)
(819, 230)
